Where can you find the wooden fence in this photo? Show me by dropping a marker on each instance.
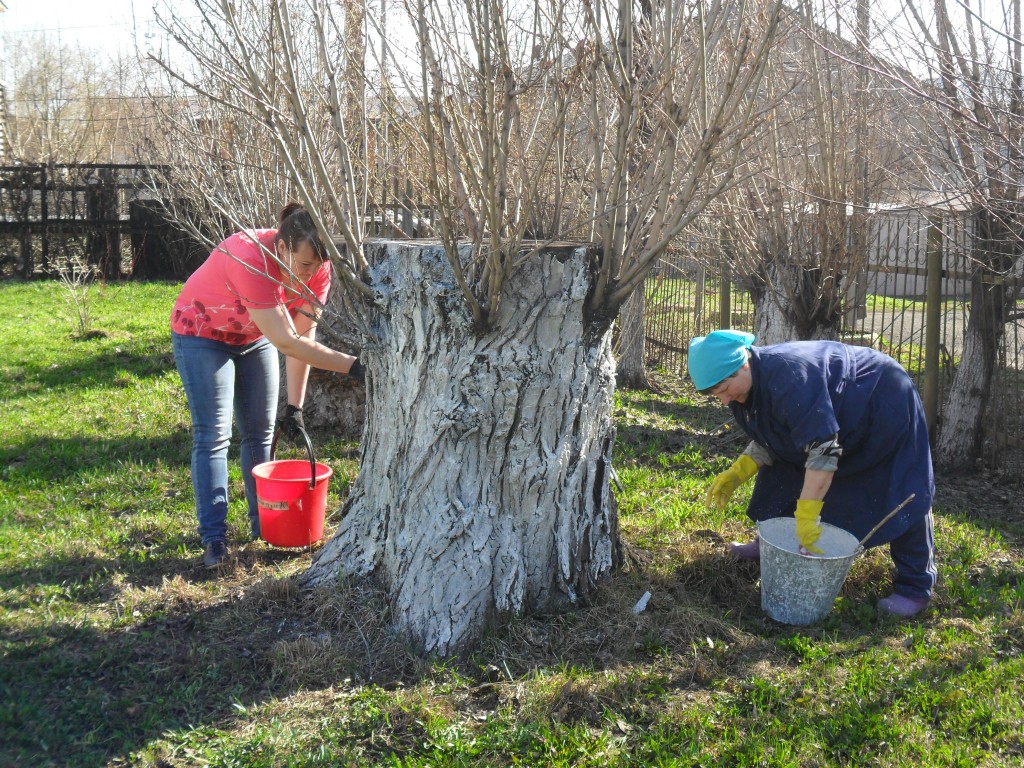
(111, 217)
(104, 215)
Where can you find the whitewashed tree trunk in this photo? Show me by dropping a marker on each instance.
(996, 251)
(781, 311)
(632, 370)
(959, 440)
(484, 486)
(771, 319)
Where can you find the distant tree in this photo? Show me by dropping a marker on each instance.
(831, 148)
(68, 103)
(632, 360)
(973, 82)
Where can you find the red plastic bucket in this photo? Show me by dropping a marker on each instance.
(291, 498)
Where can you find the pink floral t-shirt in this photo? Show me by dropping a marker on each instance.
(238, 276)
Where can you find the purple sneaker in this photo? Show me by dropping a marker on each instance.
(904, 607)
(749, 551)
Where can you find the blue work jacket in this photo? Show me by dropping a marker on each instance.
(808, 391)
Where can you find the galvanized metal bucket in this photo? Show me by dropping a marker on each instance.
(801, 589)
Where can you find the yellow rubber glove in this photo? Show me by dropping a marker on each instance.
(808, 525)
(726, 483)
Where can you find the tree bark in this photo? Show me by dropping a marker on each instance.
(995, 253)
(781, 301)
(334, 403)
(959, 441)
(632, 369)
(484, 486)
(960, 437)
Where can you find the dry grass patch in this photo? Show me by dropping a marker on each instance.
(307, 661)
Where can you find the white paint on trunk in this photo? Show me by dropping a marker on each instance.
(777, 307)
(483, 490)
(771, 324)
(959, 439)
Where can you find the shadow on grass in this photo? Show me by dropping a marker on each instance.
(104, 368)
(771, 718)
(649, 446)
(148, 561)
(675, 426)
(77, 695)
(83, 696)
(56, 459)
(982, 500)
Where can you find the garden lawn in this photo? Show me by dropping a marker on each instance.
(120, 649)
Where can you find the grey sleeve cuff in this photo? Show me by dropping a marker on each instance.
(824, 455)
(759, 454)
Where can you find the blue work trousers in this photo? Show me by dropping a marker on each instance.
(913, 554)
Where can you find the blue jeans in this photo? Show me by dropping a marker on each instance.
(220, 378)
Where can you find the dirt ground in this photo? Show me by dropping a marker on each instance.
(991, 499)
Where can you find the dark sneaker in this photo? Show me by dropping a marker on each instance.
(904, 607)
(749, 551)
(215, 554)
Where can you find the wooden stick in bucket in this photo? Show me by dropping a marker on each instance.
(886, 519)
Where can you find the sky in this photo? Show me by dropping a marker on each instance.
(108, 25)
(114, 26)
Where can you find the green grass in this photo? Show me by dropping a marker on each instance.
(118, 649)
(877, 303)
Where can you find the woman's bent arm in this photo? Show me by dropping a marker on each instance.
(276, 324)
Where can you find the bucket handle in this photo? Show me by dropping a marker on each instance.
(886, 519)
(309, 450)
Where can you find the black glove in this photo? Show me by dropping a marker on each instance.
(291, 424)
(357, 371)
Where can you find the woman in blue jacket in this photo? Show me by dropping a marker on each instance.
(838, 434)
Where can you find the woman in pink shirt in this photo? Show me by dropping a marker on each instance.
(232, 317)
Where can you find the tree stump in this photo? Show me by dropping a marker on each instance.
(483, 491)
